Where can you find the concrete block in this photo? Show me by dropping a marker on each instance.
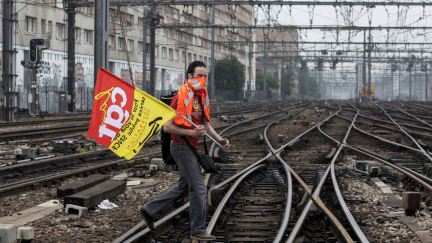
(7, 233)
(25, 233)
(120, 177)
(153, 167)
(70, 208)
(159, 162)
(411, 200)
(374, 166)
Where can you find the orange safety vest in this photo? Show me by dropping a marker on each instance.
(185, 100)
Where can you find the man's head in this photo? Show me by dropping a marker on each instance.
(197, 69)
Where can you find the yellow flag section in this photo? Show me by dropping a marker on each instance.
(151, 114)
(124, 117)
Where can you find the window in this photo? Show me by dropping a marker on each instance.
(87, 10)
(88, 36)
(77, 35)
(30, 25)
(177, 54)
(176, 35)
(156, 50)
(49, 28)
(183, 56)
(121, 44)
(111, 42)
(140, 47)
(205, 59)
(164, 52)
(189, 57)
(43, 27)
(170, 33)
(60, 31)
(112, 15)
(195, 57)
(171, 54)
(129, 20)
(131, 45)
(140, 23)
(200, 57)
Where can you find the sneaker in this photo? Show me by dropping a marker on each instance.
(204, 236)
(147, 218)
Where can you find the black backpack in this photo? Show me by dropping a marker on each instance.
(166, 137)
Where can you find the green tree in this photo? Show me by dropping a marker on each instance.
(229, 74)
(308, 83)
(272, 81)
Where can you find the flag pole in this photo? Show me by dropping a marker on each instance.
(193, 124)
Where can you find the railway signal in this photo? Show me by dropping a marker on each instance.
(34, 54)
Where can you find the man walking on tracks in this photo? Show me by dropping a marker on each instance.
(192, 102)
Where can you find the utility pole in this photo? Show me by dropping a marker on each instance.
(70, 10)
(212, 72)
(8, 61)
(369, 93)
(101, 36)
(250, 68)
(265, 70)
(144, 81)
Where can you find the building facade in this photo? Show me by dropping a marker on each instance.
(279, 58)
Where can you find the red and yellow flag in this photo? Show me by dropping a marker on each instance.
(124, 117)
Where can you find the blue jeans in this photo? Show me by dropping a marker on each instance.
(190, 180)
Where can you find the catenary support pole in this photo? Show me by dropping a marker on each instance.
(186, 61)
(265, 70)
(101, 36)
(409, 84)
(71, 56)
(144, 80)
(369, 92)
(364, 67)
(153, 19)
(249, 94)
(212, 72)
(8, 68)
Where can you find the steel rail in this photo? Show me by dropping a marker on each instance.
(382, 139)
(403, 124)
(289, 171)
(226, 198)
(30, 183)
(23, 123)
(418, 175)
(316, 199)
(401, 169)
(408, 114)
(406, 133)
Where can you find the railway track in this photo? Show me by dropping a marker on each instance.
(13, 135)
(262, 184)
(25, 176)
